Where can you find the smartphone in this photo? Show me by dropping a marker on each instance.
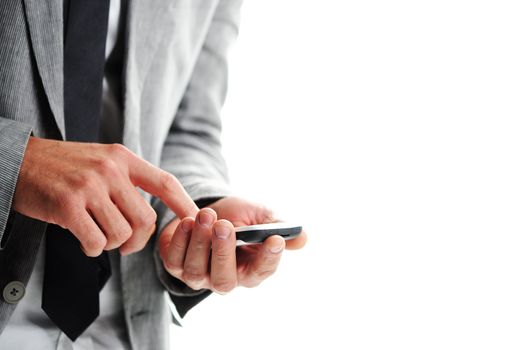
(255, 234)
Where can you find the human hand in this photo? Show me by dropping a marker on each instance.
(90, 189)
(200, 254)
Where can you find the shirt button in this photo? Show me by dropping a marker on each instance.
(13, 292)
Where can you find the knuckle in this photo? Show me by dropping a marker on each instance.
(200, 242)
(146, 220)
(94, 244)
(193, 277)
(171, 263)
(135, 245)
(168, 181)
(118, 150)
(223, 287)
(194, 286)
(107, 167)
(111, 244)
(174, 270)
(140, 244)
(119, 237)
(151, 218)
(221, 252)
(86, 182)
(177, 246)
(125, 233)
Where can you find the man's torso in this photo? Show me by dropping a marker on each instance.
(162, 43)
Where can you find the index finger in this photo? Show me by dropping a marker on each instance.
(162, 184)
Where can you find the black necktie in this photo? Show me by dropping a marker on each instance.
(72, 281)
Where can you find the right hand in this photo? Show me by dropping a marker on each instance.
(90, 189)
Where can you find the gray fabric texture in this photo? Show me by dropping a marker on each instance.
(174, 83)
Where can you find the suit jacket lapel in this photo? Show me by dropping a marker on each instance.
(45, 20)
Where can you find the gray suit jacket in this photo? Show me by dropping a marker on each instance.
(174, 84)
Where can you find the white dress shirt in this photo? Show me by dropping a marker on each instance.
(29, 326)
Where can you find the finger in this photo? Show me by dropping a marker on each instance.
(137, 212)
(163, 185)
(223, 258)
(91, 237)
(296, 243)
(116, 228)
(176, 250)
(137, 241)
(197, 257)
(265, 262)
(166, 236)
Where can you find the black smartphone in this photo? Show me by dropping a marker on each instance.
(258, 233)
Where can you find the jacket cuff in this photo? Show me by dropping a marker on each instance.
(13, 141)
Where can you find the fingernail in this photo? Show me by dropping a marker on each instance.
(186, 226)
(205, 219)
(276, 250)
(222, 232)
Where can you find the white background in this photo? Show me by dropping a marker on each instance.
(390, 130)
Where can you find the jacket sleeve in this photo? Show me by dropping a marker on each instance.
(192, 150)
(13, 140)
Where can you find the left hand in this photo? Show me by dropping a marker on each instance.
(192, 251)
